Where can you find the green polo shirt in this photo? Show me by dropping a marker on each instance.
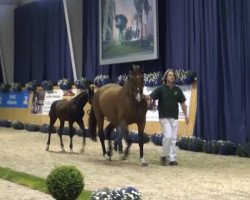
(168, 100)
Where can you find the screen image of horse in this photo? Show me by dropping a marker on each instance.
(121, 106)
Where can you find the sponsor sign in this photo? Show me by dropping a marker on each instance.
(14, 99)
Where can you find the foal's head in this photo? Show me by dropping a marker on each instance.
(137, 79)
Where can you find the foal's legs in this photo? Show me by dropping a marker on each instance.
(124, 133)
(51, 124)
(71, 134)
(60, 134)
(109, 129)
(101, 136)
(82, 127)
(128, 147)
(119, 139)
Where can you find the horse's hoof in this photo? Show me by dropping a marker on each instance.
(144, 164)
(47, 148)
(106, 157)
(123, 157)
(82, 150)
(120, 152)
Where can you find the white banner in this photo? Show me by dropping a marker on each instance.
(152, 114)
(51, 96)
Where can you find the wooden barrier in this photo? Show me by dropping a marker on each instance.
(24, 115)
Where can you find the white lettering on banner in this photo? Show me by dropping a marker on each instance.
(153, 115)
(13, 96)
(11, 102)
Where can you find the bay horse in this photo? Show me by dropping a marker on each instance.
(121, 106)
(71, 111)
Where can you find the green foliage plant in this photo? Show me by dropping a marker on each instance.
(65, 183)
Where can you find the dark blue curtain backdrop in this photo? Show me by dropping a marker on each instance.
(211, 38)
(41, 43)
(1, 73)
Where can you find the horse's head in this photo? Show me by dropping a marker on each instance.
(137, 82)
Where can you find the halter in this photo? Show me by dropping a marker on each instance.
(136, 74)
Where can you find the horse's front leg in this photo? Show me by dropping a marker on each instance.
(60, 130)
(141, 127)
(82, 127)
(124, 133)
(102, 140)
(71, 134)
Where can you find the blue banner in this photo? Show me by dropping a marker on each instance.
(14, 99)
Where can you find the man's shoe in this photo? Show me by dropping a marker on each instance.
(173, 163)
(164, 161)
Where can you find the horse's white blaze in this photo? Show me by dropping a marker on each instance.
(138, 97)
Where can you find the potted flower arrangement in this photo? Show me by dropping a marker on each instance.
(122, 79)
(4, 87)
(64, 84)
(14, 86)
(184, 77)
(156, 139)
(119, 193)
(5, 123)
(31, 86)
(133, 137)
(18, 125)
(152, 79)
(82, 83)
(47, 85)
(101, 80)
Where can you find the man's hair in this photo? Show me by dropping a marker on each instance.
(166, 74)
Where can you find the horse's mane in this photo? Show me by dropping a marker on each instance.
(79, 97)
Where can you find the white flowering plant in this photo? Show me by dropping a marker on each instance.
(64, 84)
(16, 86)
(122, 79)
(31, 85)
(81, 83)
(101, 80)
(152, 79)
(184, 77)
(4, 87)
(47, 84)
(129, 193)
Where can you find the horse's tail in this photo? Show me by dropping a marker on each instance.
(92, 124)
(91, 90)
